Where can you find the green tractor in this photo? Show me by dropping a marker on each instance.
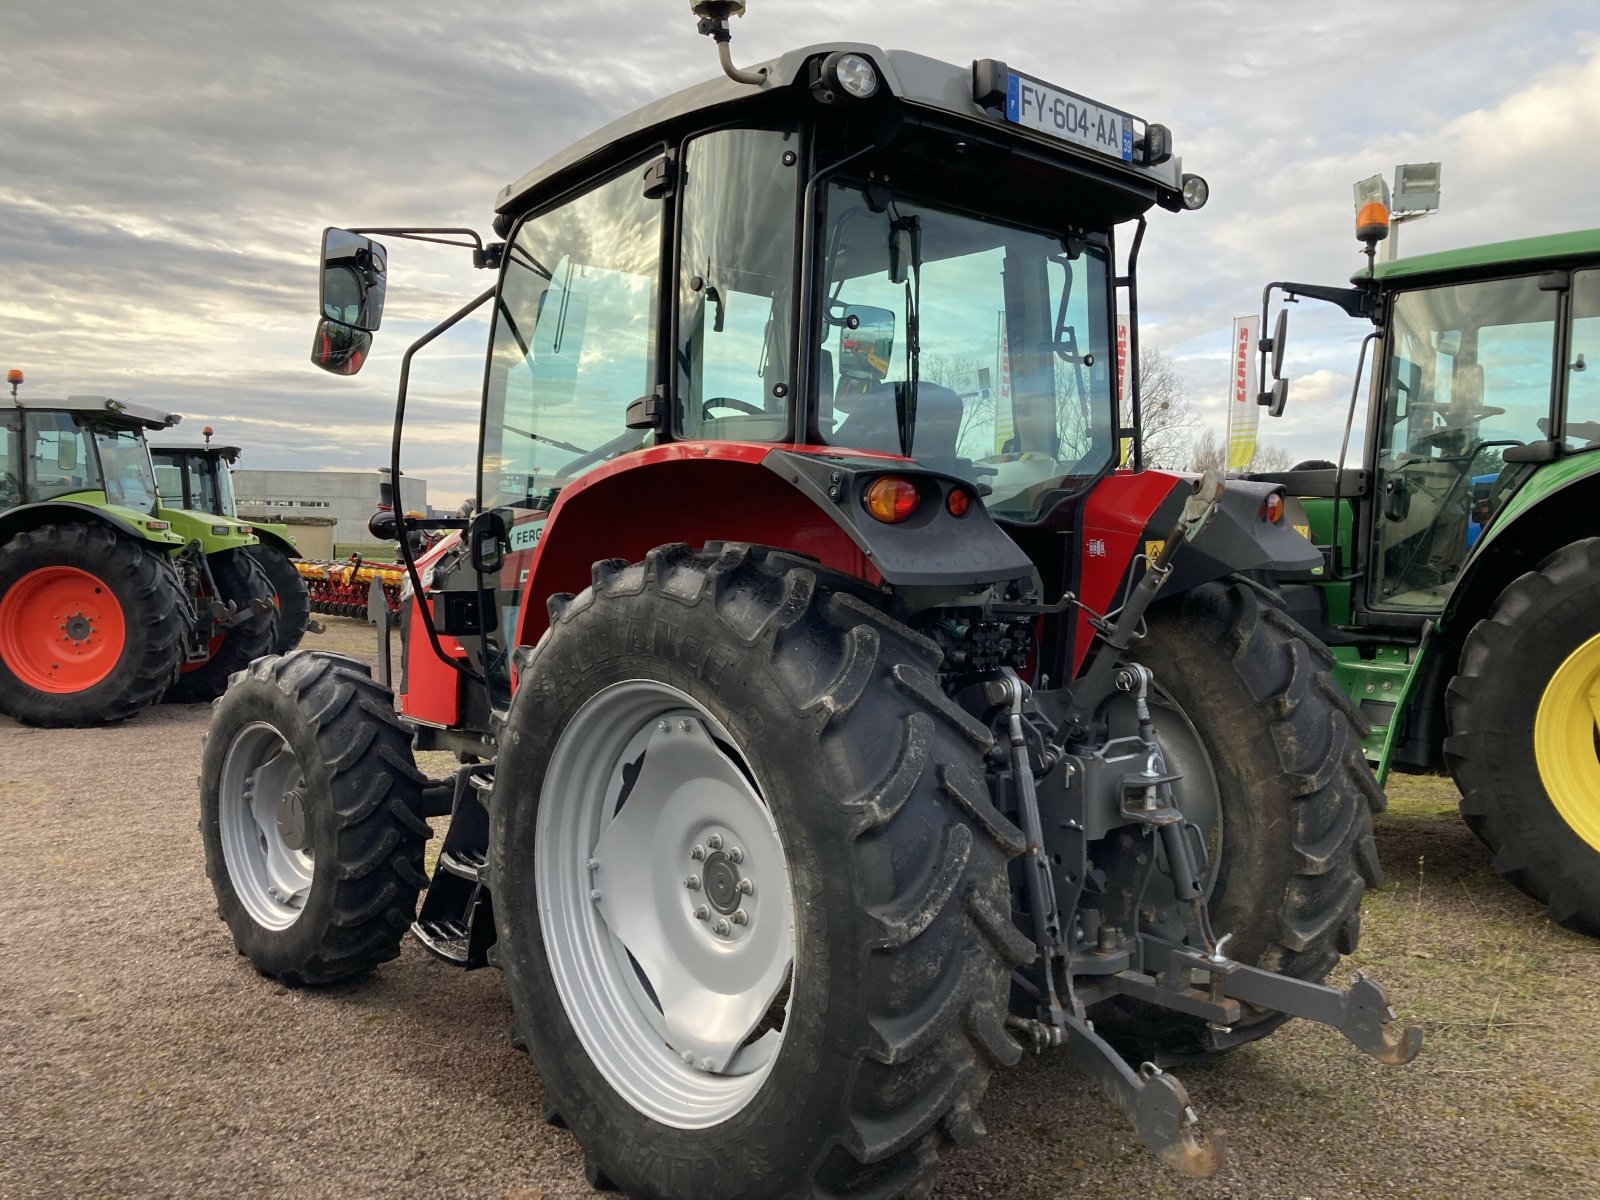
(200, 478)
(108, 599)
(1461, 587)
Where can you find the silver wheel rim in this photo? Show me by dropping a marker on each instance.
(665, 904)
(266, 842)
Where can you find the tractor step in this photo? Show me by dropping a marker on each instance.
(457, 918)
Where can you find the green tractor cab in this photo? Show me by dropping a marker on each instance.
(200, 478)
(1461, 587)
(109, 599)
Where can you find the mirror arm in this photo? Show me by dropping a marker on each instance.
(406, 556)
(482, 256)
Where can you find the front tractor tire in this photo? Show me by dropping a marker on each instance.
(308, 803)
(1266, 738)
(91, 626)
(1524, 744)
(750, 889)
(242, 583)
(290, 596)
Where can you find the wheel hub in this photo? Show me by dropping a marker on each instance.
(721, 880)
(77, 628)
(292, 818)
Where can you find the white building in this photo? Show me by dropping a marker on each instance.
(349, 497)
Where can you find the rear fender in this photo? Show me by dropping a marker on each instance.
(801, 499)
(1133, 513)
(125, 521)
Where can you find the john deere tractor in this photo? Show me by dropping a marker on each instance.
(109, 599)
(1461, 589)
(837, 722)
(200, 478)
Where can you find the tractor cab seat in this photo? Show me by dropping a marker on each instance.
(872, 421)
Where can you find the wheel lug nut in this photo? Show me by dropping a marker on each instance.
(661, 727)
(715, 841)
(736, 855)
(702, 913)
(721, 928)
(741, 917)
(685, 726)
(595, 894)
(698, 852)
(692, 883)
(746, 888)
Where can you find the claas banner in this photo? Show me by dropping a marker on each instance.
(1244, 414)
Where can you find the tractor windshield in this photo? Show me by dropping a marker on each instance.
(976, 348)
(125, 468)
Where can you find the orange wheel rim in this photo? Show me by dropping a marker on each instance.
(61, 630)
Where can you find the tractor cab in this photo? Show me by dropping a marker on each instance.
(197, 477)
(87, 449)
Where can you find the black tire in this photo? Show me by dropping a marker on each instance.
(361, 790)
(1315, 464)
(1508, 661)
(240, 581)
(1296, 794)
(289, 588)
(152, 603)
(904, 939)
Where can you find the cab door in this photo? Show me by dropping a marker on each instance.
(1469, 375)
(575, 342)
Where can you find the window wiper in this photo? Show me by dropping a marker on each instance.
(906, 397)
(548, 441)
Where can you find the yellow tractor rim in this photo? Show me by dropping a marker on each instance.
(1566, 741)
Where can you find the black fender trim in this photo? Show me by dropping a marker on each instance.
(1238, 541)
(47, 512)
(930, 558)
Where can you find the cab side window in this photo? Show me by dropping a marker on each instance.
(1583, 364)
(10, 459)
(574, 341)
(60, 456)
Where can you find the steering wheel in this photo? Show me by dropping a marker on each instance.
(754, 410)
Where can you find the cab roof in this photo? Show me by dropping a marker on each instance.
(914, 79)
(120, 411)
(228, 452)
(1553, 248)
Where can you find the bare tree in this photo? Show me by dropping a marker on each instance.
(1166, 418)
(1210, 452)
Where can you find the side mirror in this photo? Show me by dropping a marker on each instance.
(1280, 330)
(1277, 398)
(340, 349)
(866, 343)
(354, 269)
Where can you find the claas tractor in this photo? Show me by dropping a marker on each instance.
(834, 727)
(200, 478)
(1461, 591)
(109, 599)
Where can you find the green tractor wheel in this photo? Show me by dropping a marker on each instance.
(1525, 734)
(240, 582)
(290, 596)
(91, 626)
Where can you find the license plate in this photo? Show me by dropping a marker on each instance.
(1069, 117)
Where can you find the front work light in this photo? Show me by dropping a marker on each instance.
(852, 75)
(1196, 191)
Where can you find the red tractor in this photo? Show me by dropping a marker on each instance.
(833, 731)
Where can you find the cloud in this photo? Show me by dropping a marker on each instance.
(168, 167)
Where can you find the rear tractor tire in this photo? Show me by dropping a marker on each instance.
(308, 802)
(750, 889)
(241, 582)
(290, 597)
(1524, 744)
(1270, 750)
(91, 626)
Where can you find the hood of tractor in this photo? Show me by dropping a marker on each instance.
(214, 533)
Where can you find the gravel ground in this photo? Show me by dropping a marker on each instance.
(140, 1055)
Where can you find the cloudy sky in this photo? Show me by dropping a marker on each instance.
(166, 168)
